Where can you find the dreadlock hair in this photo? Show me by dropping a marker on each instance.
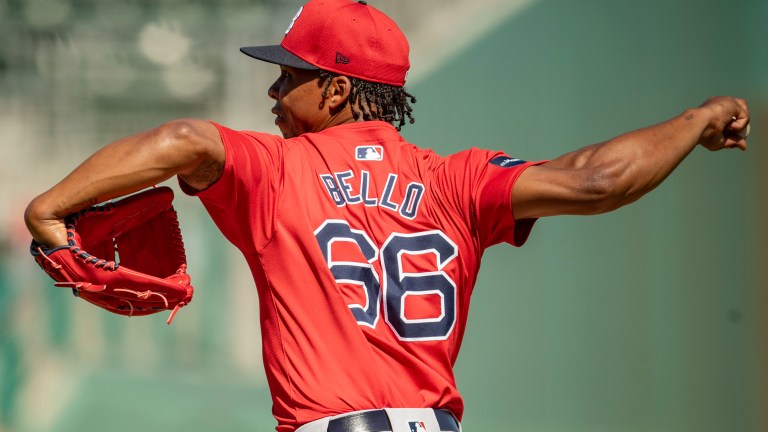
(377, 101)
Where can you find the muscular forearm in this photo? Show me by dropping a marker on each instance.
(630, 165)
(120, 168)
(605, 176)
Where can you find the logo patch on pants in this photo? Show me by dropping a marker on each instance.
(417, 426)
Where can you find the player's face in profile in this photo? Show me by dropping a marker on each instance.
(298, 96)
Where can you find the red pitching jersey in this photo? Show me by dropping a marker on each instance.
(365, 250)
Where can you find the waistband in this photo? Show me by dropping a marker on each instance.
(379, 421)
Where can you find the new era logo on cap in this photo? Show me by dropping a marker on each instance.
(371, 153)
(341, 58)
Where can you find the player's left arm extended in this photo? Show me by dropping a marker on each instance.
(603, 177)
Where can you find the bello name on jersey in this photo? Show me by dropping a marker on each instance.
(340, 189)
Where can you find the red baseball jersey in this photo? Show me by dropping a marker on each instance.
(365, 250)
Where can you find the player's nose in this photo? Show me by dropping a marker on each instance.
(272, 91)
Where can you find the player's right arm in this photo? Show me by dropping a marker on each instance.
(603, 177)
(191, 149)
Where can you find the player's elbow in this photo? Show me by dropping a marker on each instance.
(196, 149)
(189, 143)
(33, 214)
(181, 135)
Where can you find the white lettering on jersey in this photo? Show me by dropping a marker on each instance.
(343, 190)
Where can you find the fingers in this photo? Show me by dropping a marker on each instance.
(728, 110)
(739, 143)
(736, 133)
(745, 132)
(740, 117)
(736, 128)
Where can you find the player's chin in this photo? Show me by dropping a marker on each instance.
(285, 129)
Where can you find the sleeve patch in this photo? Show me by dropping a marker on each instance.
(506, 161)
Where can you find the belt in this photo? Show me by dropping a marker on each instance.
(378, 421)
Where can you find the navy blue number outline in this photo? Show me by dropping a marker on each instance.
(397, 285)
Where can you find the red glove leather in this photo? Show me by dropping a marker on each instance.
(126, 257)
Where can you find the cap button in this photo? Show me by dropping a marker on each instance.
(363, 2)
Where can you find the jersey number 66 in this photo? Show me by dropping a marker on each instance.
(397, 284)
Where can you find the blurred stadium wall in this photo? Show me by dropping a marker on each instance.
(649, 318)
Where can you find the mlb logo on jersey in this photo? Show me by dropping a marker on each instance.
(417, 426)
(371, 153)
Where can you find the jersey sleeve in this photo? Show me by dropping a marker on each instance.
(488, 178)
(247, 190)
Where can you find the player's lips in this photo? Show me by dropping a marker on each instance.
(278, 117)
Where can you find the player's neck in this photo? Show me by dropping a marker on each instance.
(342, 116)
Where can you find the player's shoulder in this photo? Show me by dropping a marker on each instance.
(474, 164)
(474, 156)
(243, 136)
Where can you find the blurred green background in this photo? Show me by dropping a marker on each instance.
(653, 317)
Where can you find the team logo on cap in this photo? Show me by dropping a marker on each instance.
(417, 426)
(371, 153)
(301, 9)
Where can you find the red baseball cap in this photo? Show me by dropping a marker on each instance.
(346, 37)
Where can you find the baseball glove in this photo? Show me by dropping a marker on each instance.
(125, 256)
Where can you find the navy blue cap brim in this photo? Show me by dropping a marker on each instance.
(278, 55)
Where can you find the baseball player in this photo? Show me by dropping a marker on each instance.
(365, 248)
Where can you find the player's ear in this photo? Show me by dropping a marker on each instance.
(339, 91)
